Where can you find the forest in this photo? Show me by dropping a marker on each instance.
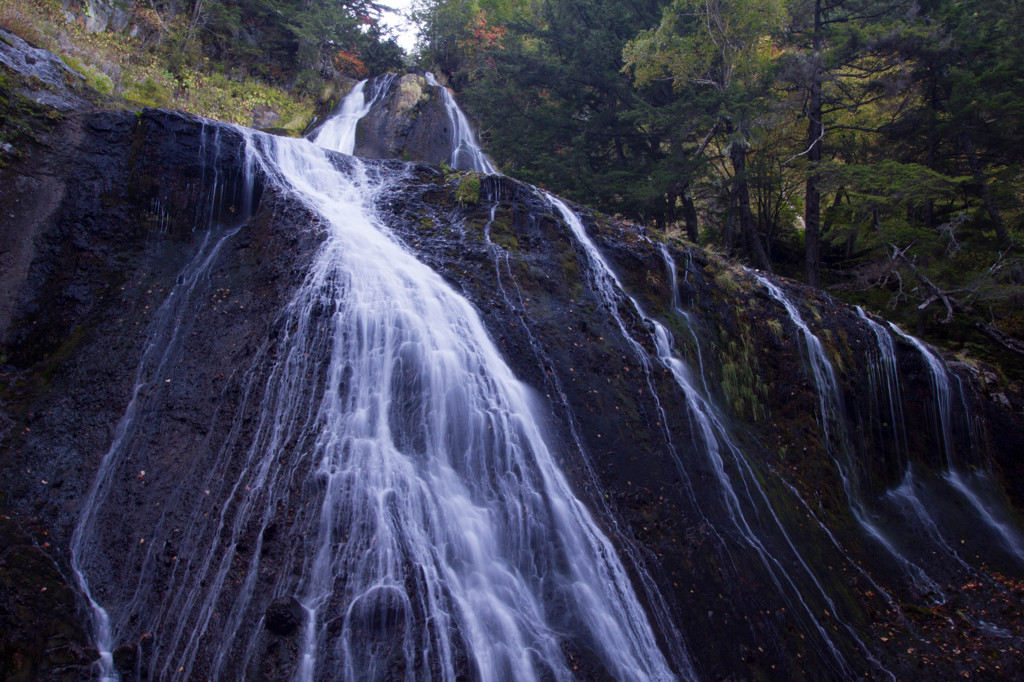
(870, 148)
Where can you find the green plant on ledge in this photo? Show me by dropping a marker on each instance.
(468, 191)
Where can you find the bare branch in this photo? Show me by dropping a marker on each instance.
(1007, 342)
(820, 137)
(707, 139)
(935, 293)
(996, 267)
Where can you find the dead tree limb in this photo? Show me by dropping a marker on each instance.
(1004, 340)
(934, 293)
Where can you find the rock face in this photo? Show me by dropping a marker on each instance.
(98, 15)
(284, 616)
(772, 531)
(409, 123)
(49, 81)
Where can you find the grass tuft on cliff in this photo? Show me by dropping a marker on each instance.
(157, 64)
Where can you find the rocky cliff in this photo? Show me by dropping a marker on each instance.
(798, 491)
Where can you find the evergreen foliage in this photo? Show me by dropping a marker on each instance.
(282, 39)
(870, 147)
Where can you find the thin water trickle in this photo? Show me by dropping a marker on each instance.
(833, 431)
(829, 401)
(713, 440)
(166, 331)
(677, 308)
(466, 152)
(884, 377)
(941, 388)
(660, 611)
(974, 488)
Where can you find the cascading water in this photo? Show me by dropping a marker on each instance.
(466, 152)
(885, 380)
(165, 334)
(677, 308)
(829, 404)
(883, 371)
(975, 488)
(432, 533)
(659, 609)
(339, 131)
(746, 503)
(941, 389)
(308, 464)
(368, 494)
(833, 432)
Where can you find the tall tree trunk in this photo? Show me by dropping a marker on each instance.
(681, 190)
(815, 131)
(986, 194)
(197, 12)
(748, 230)
(690, 215)
(929, 204)
(851, 235)
(729, 230)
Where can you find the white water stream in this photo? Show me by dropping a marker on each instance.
(741, 492)
(466, 152)
(976, 488)
(168, 326)
(382, 439)
(884, 376)
(339, 131)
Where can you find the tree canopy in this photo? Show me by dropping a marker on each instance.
(289, 39)
(865, 146)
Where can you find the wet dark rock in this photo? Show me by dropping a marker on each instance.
(284, 617)
(410, 123)
(132, 658)
(43, 638)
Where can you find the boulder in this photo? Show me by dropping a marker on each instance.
(284, 616)
(410, 123)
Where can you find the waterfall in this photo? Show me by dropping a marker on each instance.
(677, 308)
(166, 331)
(834, 436)
(746, 503)
(466, 152)
(829, 402)
(941, 389)
(883, 374)
(382, 438)
(975, 488)
(339, 131)
(492, 438)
